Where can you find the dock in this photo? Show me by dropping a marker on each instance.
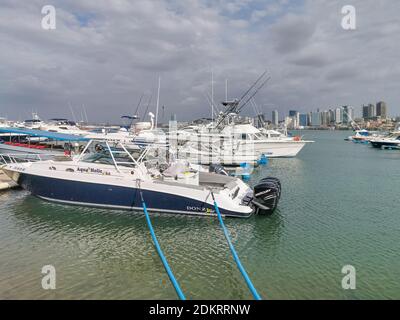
(5, 182)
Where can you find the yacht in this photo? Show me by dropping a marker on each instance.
(391, 141)
(270, 143)
(106, 177)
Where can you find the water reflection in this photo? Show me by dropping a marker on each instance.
(101, 242)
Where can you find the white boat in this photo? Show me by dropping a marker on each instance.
(391, 141)
(269, 143)
(108, 178)
(212, 152)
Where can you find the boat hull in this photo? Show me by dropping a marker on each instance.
(279, 149)
(113, 197)
(384, 144)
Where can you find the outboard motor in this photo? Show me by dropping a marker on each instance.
(266, 195)
(276, 181)
(218, 169)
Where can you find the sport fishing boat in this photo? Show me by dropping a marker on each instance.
(269, 143)
(391, 141)
(227, 153)
(107, 177)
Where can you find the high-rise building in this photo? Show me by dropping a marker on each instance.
(381, 109)
(292, 113)
(316, 119)
(325, 118)
(371, 110)
(338, 115)
(275, 118)
(348, 114)
(365, 110)
(303, 120)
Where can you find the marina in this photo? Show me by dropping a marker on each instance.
(169, 151)
(296, 253)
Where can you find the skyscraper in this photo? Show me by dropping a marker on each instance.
(371, 110)
(275, 118)
(316, 119)
(303, 120)
(338, 115)
(381, 109)
(365, 109)
(348, 114)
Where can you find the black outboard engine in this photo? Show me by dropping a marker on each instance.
(218, 169)
(266, 195)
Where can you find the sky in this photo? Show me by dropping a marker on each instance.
(105, 54)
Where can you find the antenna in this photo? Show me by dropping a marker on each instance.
(226, 89)
(212, 96)
(84, 110)
(148, 104)
(72, 111)
(158, 100)
(138, 105)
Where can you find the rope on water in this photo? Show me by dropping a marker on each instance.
(159, 251)
(234, 254)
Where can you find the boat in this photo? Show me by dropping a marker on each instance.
(269, 143)
(28, 144)
(391, 141)
(360, 136)
(110, 178)
(218, 150)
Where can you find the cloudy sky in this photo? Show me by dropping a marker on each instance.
(105, 54)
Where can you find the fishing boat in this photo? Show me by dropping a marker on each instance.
(107, 177)
(218, 151)
(269, 143)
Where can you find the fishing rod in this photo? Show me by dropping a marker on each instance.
(252, 96)
(234, 107)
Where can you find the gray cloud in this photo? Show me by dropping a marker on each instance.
(105, 54)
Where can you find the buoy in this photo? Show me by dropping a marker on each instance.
(263, 160)
(246, 171)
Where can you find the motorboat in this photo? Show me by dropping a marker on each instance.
(360, 136)
(391, 141)
(270, 143)
(217, 151)
(106, 177)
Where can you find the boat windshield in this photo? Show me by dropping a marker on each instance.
(100, 154)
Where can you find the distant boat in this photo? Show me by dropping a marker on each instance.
(391, 141)
(361, 136)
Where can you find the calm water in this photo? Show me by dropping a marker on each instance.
(340, 205)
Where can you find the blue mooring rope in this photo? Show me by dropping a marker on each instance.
(234, 254)
(160, 253)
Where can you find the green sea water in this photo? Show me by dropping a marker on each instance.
(340, 206)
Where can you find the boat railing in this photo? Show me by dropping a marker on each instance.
(19, 158)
